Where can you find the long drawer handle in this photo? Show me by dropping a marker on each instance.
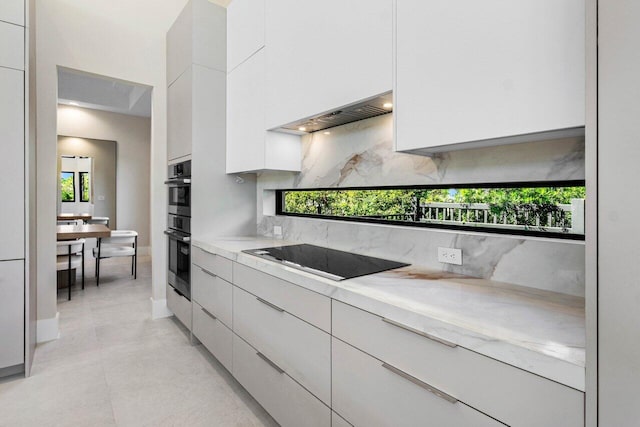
(420, 383)
(275, 307)
(208, 313)
(423, 334)
(270, 363)
(208, 272)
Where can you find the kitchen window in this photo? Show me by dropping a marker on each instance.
(85, 186)
(548, 209)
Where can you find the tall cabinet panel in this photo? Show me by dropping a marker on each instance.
(12, 187)
(12, 155)
(245, 30)
(472, 73)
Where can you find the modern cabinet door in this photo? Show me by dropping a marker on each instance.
(12, 47)
(249, 146)
(473, 73)
(11, 313)
(198, 36)
(368, 392)
(179, 116)
(12, 11)
(325, 54)
(12, 155)
(245, 30)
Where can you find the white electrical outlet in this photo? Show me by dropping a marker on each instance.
(277, 230)
(450, 256)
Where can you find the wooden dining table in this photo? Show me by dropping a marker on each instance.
(86, 231)
(74, 216)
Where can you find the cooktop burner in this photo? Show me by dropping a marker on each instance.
(329, 263)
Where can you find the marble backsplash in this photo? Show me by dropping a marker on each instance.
(361, 154)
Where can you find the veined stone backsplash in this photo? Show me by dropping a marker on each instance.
(361, 154)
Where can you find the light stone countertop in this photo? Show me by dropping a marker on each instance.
(539, 331)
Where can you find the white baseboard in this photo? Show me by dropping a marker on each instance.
(159, 309)
(48, 329)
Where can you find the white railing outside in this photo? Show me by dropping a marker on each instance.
(479, 214)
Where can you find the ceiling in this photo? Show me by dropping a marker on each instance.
(103, 93)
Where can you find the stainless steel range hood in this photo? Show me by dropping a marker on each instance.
(372, 107)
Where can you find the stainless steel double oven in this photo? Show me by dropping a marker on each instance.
(179, 227)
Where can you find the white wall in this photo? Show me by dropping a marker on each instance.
(122, 39)
(133, 137)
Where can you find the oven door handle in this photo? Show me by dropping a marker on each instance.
(178, 181)
(176, 236)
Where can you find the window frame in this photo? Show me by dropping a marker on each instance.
(81, 184)
(73, 180)
(280, 193)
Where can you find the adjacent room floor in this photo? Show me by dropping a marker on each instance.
(113, 365)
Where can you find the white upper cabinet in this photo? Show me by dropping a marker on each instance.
(195, 38)
(12, 11)
(245, 30)
(249, 146)
(180, 116)
(325, 54)
(474, 73)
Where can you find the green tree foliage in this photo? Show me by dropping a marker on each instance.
(523, 204)
(67, 190)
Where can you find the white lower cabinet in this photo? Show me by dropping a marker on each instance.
(11, 313)
(213, 334)
(212, 263)
(283, 398)
(369, 393)
(512, 395)
(300, 349)
(212, 293)
(179, 306)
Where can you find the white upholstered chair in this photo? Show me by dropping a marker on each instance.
(122, 243)
(70, 255)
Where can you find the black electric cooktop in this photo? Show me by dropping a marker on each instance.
(329, 263)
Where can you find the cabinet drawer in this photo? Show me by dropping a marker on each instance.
(180, 306)
(307, 305)
(215, 264)
(213, 334)
(369, 394)
(283, 398)
(212, 292)
(301, 350)
(509, 394)
(12, 49)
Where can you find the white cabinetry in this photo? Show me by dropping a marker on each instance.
(301, 350)
(12, 154)
(370, 393)
(250, 147)
(196, 43)
(12, 49)
(475, 73)
(11, 313)
(12, 11)
(504, 392)
(179, 305)
(325, 54)
(245, 30)
(285, 400)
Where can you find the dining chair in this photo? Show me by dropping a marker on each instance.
(104, 220)
(122, 243)
(70, 255)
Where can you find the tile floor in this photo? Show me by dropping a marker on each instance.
(113, 365)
